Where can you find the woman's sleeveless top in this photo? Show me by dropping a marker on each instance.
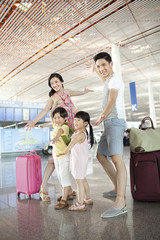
(68, 105)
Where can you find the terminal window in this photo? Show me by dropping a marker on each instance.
(18, 114)
(9, 114)
(2, 114)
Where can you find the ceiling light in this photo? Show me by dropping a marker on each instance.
(23, 6)
(139, 48)
(71, 40)
(137, 51)
(133, 47)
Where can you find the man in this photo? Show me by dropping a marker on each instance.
(111, 142)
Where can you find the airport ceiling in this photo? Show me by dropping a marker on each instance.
(42, 37)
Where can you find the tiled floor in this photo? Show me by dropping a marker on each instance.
(33, 219)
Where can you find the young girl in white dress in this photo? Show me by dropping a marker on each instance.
(79, 158)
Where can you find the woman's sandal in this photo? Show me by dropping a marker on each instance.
(77, 207)
(44, 196)
(70, 196)
(62, 204)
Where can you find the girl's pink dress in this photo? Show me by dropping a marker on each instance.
(79, 159)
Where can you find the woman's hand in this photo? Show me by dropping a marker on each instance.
(29, 125)
(86, 90)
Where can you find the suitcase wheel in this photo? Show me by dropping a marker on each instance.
(18, 194)
(30, 197)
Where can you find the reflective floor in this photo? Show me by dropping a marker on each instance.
(33, 219)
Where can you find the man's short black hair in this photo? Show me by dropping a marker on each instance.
(103, 55)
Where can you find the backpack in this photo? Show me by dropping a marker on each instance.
(64, 138)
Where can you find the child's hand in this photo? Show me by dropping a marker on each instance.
(60, 154)
(55, 140)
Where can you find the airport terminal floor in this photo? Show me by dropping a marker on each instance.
(36, 220)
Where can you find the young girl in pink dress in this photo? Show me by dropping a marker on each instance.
(79, 158)
(58, 97)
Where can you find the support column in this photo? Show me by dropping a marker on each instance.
(152, 111)
(116, 60)
(116, 63)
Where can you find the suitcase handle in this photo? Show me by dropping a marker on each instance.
(33, 153)
(143, 121)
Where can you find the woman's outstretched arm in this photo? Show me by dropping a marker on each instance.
(31, 124)
(78, 93)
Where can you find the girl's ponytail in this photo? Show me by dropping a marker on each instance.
(86, 118)
(91, 136)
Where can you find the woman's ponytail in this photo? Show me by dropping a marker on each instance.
(51, 92)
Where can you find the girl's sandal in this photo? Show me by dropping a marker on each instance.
(62, 204)
(77, 207)
(88, 201)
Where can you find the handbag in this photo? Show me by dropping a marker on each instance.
(144, 139)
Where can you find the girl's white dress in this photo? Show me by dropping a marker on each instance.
(79, 158)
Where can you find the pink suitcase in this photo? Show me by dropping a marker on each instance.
(28, 173)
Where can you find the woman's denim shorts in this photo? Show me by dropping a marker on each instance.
(111, 141)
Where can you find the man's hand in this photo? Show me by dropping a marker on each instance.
(90, 64)
(100, 119)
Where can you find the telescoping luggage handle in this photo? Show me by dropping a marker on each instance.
(32, 153)
(143, 121)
